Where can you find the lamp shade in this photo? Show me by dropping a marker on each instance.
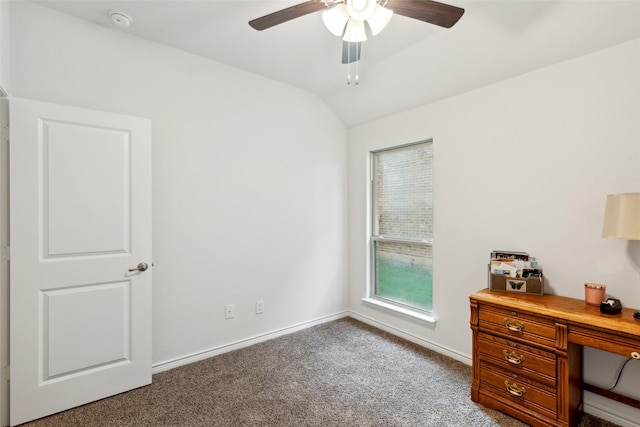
(335, 19)
(622, 216)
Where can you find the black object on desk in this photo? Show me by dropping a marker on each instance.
(611, 306)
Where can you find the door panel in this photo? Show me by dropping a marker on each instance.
(78, 219)
(80, 206)
(77, 313)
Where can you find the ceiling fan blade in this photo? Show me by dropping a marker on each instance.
(287, 14)
(351, 52)
(430, 11)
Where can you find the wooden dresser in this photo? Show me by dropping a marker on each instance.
(527, 352)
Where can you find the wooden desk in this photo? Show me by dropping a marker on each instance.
(527, 352)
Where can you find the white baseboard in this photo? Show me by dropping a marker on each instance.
(410, 337)
(610, 410)
(205, 354)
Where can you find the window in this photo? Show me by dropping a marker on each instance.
(402, 226)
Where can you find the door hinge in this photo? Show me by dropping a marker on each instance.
(6, 253)
(6, 373)
(5, 134)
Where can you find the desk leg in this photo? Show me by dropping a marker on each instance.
(576, 392)
(569, 370)
(570, 394)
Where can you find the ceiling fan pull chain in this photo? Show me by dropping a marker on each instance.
(348, 63)
(358, 47)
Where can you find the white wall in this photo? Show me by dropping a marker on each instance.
(525, 165)
(4, 115)
(4, 48)
(4, 263)
(249, 177)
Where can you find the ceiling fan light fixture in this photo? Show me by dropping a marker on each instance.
(355, 31)
(361, 10)
(335, 19)
(380, 18)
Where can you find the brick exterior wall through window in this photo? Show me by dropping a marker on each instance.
(404, 195)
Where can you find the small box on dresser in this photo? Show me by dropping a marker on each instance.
(505, 283)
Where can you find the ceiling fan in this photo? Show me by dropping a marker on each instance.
(346, 18)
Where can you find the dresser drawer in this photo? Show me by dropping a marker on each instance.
(519, 359)
(518, 390)
(516, 325)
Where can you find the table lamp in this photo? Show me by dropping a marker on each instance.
(622, 219)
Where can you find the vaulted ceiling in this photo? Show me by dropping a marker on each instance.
(410, 63)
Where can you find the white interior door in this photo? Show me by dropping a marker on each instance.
(80, 212)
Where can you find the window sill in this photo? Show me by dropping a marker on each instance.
(427, 318)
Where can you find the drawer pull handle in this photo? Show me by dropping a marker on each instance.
(513, 357)
(513, 325)
(514, 389)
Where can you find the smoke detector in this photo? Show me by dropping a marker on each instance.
(120, 18)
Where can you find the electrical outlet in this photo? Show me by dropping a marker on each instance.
(229, 311)
(259, 307)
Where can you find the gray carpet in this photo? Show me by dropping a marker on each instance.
(343, 373)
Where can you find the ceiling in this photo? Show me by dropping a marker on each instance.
(410, 63)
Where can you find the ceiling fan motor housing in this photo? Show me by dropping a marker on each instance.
(361, 10)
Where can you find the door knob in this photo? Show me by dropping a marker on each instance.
(141, 267)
